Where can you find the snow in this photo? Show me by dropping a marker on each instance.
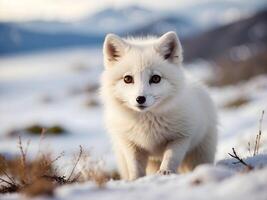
(52, 88)
(219, 183)
(174, 187)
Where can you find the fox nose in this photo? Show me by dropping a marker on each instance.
(141, 99)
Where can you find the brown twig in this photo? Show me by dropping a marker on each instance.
(9, 177)
(47, 165)
(7, 182)
(249, 148)
(240, 160)
(256, 145)
(75, 165)
(258, 137)
(23, 159)
(76, 178)
(57, 158)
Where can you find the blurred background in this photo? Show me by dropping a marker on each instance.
(51, 60)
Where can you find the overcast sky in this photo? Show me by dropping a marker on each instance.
(20, 10)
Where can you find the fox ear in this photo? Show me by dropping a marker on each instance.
(170, 48)
(113, 48)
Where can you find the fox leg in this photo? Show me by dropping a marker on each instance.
(121, 162)
(136, 160)
(131, 160)
(174, 155)
(202, 153)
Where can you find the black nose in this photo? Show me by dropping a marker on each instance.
(141, 99)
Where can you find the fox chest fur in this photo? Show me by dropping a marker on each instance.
(150, 132)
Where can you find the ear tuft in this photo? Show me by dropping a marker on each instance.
(113, 48)
(169, 47)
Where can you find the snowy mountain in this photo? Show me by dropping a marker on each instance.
(250, 33)
(15, 39)
(107, 20)
(121, 20)
(132, 20)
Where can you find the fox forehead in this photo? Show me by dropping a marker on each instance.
(137, 60)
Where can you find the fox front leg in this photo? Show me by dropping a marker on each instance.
(173, 155)
(136, 160)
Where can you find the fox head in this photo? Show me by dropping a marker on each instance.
(142, 74)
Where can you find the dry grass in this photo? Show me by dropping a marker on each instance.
(29, 176)
(39, 176)
(256, 148)
(36, 129)
(100, 177)
(237, 102)
(42, 186)
(94, 170)
(257, 139)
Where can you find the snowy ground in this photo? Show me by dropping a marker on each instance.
(59, 88)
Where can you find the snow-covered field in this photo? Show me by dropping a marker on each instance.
(60, 88)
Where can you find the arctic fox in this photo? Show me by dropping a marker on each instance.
(159, 120)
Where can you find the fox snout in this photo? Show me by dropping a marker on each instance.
(141, 100)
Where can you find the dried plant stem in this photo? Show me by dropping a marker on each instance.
(39, 176)
(7, 182)
(57, 158)
(23, 160)
(9, 177)
(75, 165)
(258, 137)
(240, 160)
(249, 149)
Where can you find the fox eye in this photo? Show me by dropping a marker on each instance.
(128, 79)
(155, 79)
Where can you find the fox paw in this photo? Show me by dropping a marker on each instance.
(165, 172)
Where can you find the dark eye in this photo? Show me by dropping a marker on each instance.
(155, 79)
(128, 79)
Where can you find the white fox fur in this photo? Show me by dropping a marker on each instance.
(176, 129)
